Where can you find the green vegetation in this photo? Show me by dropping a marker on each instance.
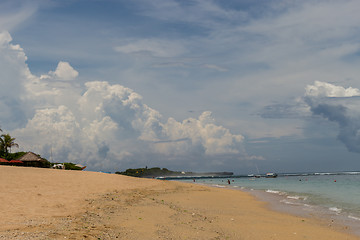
(149, 172)
(6, 143)
(68, 166)
(13, 156)
(71, 166)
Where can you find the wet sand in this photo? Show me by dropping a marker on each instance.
(58, 204)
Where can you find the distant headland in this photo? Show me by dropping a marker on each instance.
(164, 172)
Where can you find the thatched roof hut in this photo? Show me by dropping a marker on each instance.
(33, 160)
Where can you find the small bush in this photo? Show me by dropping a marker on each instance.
(71, 166)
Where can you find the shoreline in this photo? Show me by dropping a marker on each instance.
(296, 203)
(277, 203)
(295, 207)
(59, 204)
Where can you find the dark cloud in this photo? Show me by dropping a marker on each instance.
(338, 107)
(349, 128)
(333, 113)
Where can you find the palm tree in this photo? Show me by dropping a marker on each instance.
(1, 146)
(6, 141)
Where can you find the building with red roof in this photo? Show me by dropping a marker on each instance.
(16, 162)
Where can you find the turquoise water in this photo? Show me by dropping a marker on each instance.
(335, 195)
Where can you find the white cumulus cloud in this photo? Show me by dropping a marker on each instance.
(201, 133)
(64, 71)
(104, 126)
(323, 89)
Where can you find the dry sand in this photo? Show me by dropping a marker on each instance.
(57, 204)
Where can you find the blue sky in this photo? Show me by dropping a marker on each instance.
(188, 85)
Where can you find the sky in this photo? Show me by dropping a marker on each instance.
(190, 85)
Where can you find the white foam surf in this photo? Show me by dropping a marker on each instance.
(335, 209)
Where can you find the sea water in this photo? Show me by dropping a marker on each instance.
(334, 196)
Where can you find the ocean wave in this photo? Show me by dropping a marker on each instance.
(272, 191)
(275, 192)
(290, 203)
(321, 174)
(335, 209)
(352, 173)
(354, 218)
(297, 197)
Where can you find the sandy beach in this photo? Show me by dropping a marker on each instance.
(58, 204)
